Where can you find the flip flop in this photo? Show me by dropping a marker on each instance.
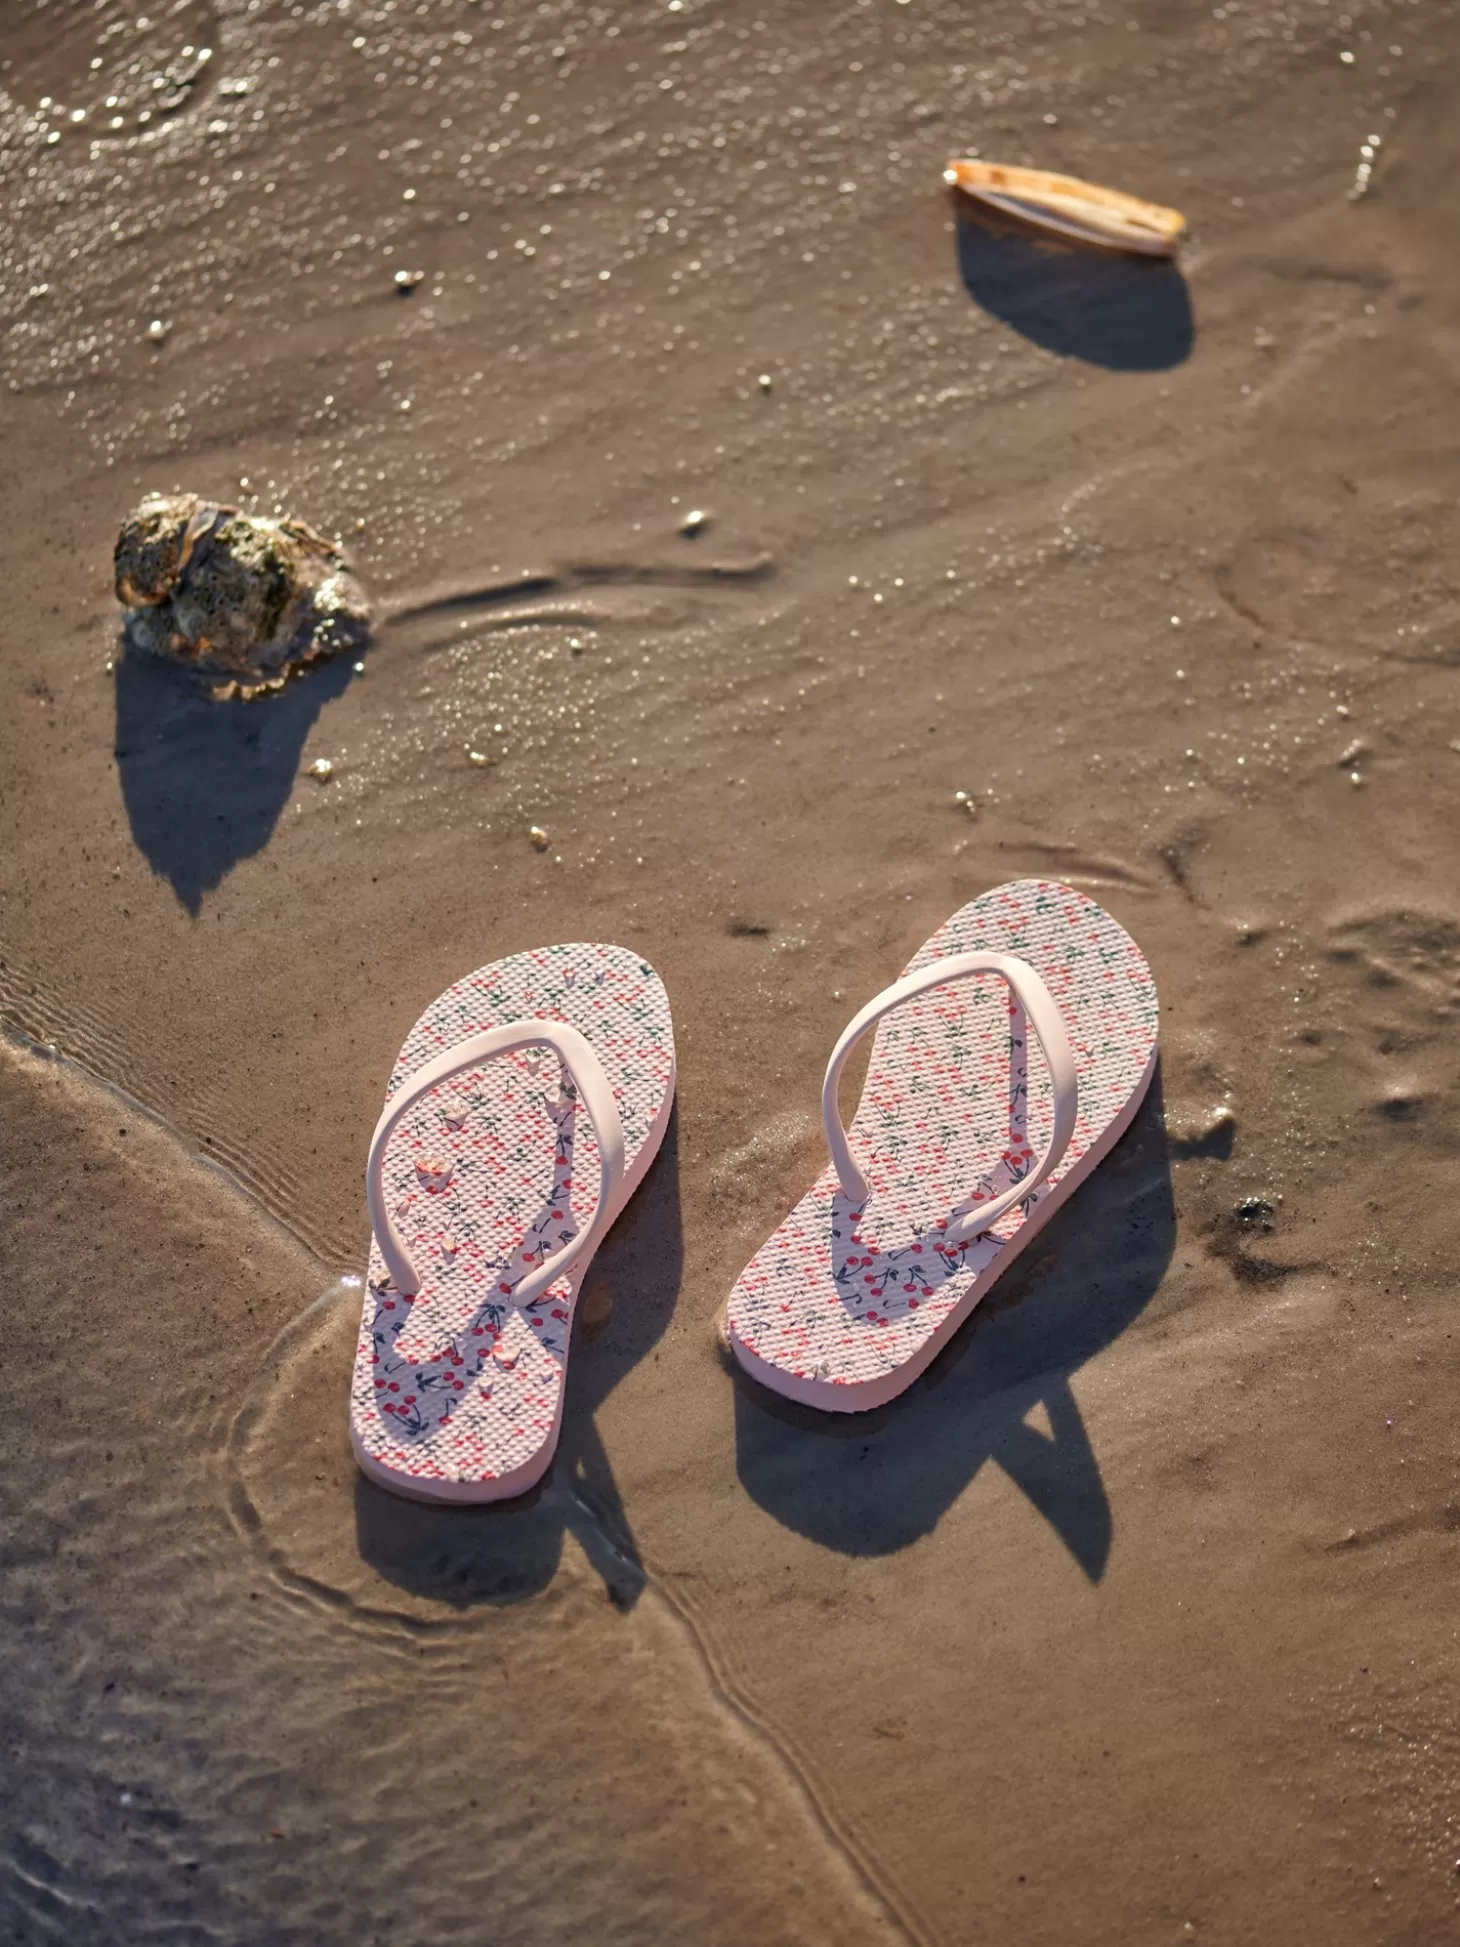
(524, 1111)
(970, 1135)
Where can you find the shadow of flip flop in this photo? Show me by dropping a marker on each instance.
(873, 1483)
(509, 1550)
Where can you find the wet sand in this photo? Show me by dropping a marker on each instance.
(1131, 1622)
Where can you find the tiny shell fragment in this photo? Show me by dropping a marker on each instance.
(454, 1111)
(1070, 207)
(207, 585)
(322, 769)
(434, 1171)
(596, 1309)
(539, 837)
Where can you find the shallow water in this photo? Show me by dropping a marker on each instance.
(1132, 1616)
(252, 1698)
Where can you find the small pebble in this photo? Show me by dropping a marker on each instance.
(694, 522)
(596, 1309)
(477, 757)
(539, 837)
(322, 770)
(765, 381)
(359, 668)
(157, 331)
(407, 280)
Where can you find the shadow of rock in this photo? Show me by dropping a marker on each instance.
(872, 1483)
(204, 782)
(467, 1556)
(1131, 314)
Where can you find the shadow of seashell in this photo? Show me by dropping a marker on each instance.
(1126, 313)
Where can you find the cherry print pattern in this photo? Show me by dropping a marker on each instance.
(489, 1173)
(845, 1304)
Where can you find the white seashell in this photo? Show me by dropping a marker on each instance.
(1070, 207)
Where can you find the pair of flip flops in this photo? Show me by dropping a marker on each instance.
(530, 1100)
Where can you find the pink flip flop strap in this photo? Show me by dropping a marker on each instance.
(1048, 1024)
(594, 1090)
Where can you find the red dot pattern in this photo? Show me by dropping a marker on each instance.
(957, 1105)
(487, 1175)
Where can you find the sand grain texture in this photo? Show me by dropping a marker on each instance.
(1132, 1621)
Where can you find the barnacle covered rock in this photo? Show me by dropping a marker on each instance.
(244, 598)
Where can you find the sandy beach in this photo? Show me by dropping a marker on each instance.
(742, 500)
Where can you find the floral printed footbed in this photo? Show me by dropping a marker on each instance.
(843, 1307)
(458, 1392)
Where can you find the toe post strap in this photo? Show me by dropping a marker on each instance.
(1048, 1023)
(584, 1070)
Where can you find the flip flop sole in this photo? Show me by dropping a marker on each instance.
(457, 1393)
(842, 1309)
